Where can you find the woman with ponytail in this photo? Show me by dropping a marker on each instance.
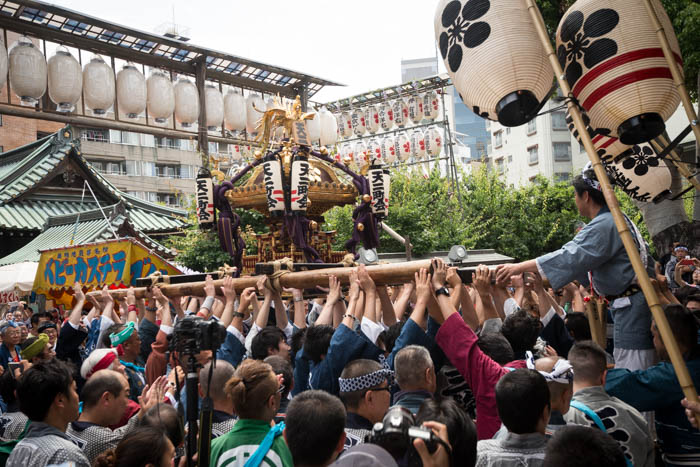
(142, 447)
(255, 391)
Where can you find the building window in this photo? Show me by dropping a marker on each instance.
(498, 139)
(507, 130)
(99, 135)
(168, 199)
(562, 152)
(532, 126)
(169, 143)
(562, 177)
(168, 171)
(532, 155)
(510, 158)
(499, 165)
(0, 120)
(559, 121)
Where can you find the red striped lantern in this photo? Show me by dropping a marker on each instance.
(614, 63)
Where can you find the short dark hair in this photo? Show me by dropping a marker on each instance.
(497, 347)
(521, 397)
(521, 329)
(39, 385)
(298, 339)
(34, 320)
(461, 430)
(683, 324)
(691, 298)
(317, 341)
(581, 446)
(165, 417)
(98, 384)
(141, 446)
(580, 186)
(281, 366)
(8, 386)
(354, 369)
(389, 336)
(588, 360)
(269, 337)
(577, 324)
(315, 422)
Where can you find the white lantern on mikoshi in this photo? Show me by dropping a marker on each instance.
(433, 142)
(403, 147)
(234, 111)
(65, 80)
(372, 119)
(272, 179)
(98, 86)
(415, 109)
(254, 107)
(186, 102)
(329, 128)
(4, 63)
(359, 122)
(344, 124)
(132, 94)
(615, 65)
(431, 105)
(313, 128)
(214, 106)
(400, 108)
(161, 96)
(374, 151)
(495, 58)
(418, 149)
(386, 116)
(362, 154)
(27, 71)
(347, 153)
(388, 149)
(379, 185)
(299, 194)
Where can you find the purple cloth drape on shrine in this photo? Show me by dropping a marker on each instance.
(297, 228)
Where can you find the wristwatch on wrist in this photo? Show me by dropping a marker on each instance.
(442, 291)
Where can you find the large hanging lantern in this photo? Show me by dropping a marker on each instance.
(388, 149)
(98, 86)
(495, 58)
(372, 119)
(65, 80)
(161, 96)
(418, 144)
(214, 106)
(403, 147)
(254, 107)
(431, 105)
(415, 109)
(313, 128)
(359, 122)
(345, 124)
(329, 128)
(615, 65)
(234, 111)
(362, 154)
(433, 142)
(272, 179)
(401, 117)
(27, 71)
(186, 102)
(132, 91)
(4, 63)
(386, 116)
(379, 185)
(374, 151)
(299, 193)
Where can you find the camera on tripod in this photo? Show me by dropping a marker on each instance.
(194, 334)
(396, 433)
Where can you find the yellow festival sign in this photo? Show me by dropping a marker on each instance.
(114, 263)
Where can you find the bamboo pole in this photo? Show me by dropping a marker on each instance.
(602, 314)
(382, 274)
(594, 322)
(652, 299)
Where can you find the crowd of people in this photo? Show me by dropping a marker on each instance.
(501, 371)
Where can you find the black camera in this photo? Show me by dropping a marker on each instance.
(396, 433)
(193, 334)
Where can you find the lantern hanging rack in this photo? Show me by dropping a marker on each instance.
(381, 134)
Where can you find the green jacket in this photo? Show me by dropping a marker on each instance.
(235, 447)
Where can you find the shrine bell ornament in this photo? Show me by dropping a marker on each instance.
(65, 78)
(400, 109)
(27, 67)
(372, 119)
(431, 105)
(614, 63)
(358, 122)
(98, 86)
(403, 147)
(495, 58)
(415, 109)
(386, 116)
(132, 92)
(186, 102)
(161, 96)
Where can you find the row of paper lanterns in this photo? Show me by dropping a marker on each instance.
(389, 149)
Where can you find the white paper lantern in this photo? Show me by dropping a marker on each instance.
(186, 101)
(329, 128)
(358, 122)
(236, 152)
(495, 58)
(415, 109)
(401, 117)
(431, 105)
(347, 153)
(388, 148)
(386, 116)
(418, 144)
(161, 96)
(372, 119)
(374, 151)
(98, 86)
(234, 111)
(27, 71)
(313, 128)
(345, 124)
(132, 94)
(65, 80)
(214, 107)
(403, 147)
(433, 142)
(4, 63)
(254, 107)
(361, 153)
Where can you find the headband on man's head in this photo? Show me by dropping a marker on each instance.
(104, 363)
(370, 380)
(562, 372)
(7, 324)
(35, 348)
(588, 180)
(679, 248)
(118, 338)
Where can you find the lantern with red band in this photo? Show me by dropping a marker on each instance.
(379, 187)
(299, 194)
(614, 63)
(272, 178)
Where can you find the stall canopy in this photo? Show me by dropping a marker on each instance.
(16, 280)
